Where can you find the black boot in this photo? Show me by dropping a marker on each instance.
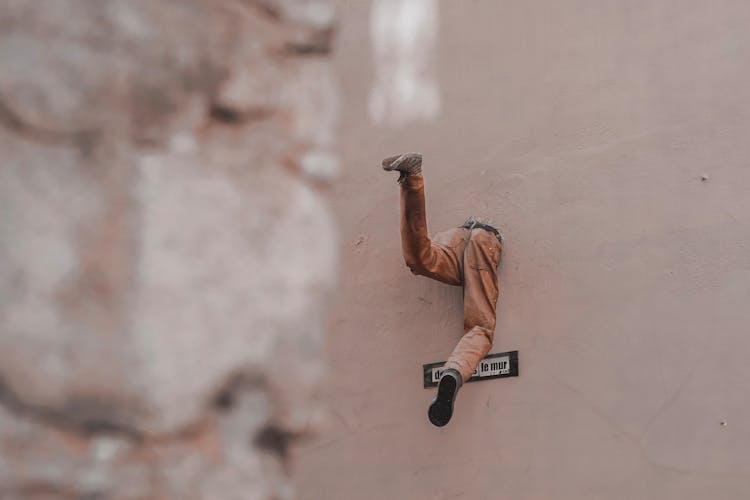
(441, 409)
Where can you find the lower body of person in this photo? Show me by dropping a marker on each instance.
(466, 256)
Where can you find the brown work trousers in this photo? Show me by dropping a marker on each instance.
(459, 256)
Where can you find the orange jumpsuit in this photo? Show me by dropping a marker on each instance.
(462, 257)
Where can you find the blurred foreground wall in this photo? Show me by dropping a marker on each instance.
(585, 130)
(165, 252)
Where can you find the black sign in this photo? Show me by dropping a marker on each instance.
(498, 365)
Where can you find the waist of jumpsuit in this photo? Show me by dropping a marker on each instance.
(471, 224)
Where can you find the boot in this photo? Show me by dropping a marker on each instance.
(407, 164)
(441, 409)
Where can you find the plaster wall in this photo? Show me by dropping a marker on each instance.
(609, 141)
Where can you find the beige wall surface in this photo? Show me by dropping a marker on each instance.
(609, 141)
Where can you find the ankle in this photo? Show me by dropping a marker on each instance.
(405, 175)
(452, 372)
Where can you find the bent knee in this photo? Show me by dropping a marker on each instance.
(416, 267)
(414, 262)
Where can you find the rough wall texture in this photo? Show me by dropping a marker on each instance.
(583, 128)
(165, 252)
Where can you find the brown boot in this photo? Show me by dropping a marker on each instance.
(407, 164)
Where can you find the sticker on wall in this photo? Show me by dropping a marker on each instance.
(498, 365)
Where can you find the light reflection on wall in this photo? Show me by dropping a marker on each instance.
(403, 36)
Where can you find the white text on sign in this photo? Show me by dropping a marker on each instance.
(494, 366)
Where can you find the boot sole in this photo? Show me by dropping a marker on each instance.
(441, 409)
